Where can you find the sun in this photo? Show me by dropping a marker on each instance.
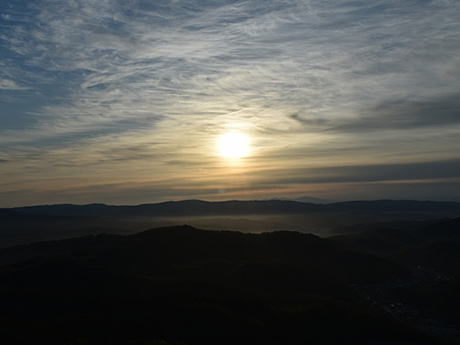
(233, 145)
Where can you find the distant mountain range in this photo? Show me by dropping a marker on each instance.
(23, 225)
(206, 208)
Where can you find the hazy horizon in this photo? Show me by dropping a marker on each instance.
(300, 199)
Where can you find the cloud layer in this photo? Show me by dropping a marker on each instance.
(132, 96)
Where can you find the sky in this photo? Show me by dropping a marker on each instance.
(126, 101)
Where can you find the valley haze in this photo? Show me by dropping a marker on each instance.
(22, 225)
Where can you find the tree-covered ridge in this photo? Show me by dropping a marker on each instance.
(181, 285)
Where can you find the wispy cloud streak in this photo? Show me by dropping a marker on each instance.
(95, 84)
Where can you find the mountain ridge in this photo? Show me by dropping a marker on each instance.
(232, 207)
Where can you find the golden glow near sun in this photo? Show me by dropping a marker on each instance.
(233, 145)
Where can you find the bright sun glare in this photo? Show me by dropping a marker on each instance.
(233, 145)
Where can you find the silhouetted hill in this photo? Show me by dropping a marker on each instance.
(186, 244)
(442, 256)
(392, 206)
(183, 285)
(429, 244)
(20, 253)
(204, 208)
(383, 241)
(175, 208)
(362, 228)
(6, 213)
(164, 247)
(445, 229)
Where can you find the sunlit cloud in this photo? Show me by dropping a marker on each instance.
(111, 91)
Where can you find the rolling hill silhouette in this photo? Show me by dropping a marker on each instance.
(184, 285)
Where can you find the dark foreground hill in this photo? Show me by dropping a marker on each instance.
(181, 285)
(430, 297)
(433, 245)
